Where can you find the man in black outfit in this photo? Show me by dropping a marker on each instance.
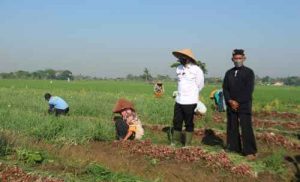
(238, 86)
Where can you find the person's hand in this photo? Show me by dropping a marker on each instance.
(234, 105)
(129, 119)
(198, 116)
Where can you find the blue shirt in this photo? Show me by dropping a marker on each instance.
(58, 103)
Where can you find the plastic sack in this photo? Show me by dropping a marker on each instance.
(201, 108)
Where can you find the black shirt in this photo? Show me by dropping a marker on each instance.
(238, 85)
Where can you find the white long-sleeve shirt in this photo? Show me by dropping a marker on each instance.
(190, 83)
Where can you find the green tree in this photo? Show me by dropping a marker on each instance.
(292, 80)
(146, 75)
(198, 63)
(50, 74)
(266, 80)
(64, 75)
(163, 77)
(22, 74)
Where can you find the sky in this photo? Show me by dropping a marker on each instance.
(116, 38)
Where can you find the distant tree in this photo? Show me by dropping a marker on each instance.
(199, 63)
(39, 74)
(22, 74)
(257, 79)
(213, 80)
(163, 77)
(175, 65)
(266, 80)
(50, 74)
(130, 77)
(64, 75)
(10, 75)
(146, 75)
(293, 80)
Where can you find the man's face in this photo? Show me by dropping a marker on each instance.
(238, 60)
(184, 60)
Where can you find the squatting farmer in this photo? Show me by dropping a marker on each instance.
(56, 105)
(190, 82)
(128, 126)
(158, 89)
(238, 86)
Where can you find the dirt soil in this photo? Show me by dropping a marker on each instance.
(118, 159)
(16, 174)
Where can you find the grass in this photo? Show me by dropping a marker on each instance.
(100, 173)
(274, 162)
(23, 109)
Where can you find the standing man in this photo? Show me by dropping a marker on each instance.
(56, 105)
(238, 87)
(190, 82)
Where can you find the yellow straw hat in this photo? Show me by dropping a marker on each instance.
(185, 53)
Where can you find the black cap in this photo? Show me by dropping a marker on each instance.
(238, 52)
(47, 96)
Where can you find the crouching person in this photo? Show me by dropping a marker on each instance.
(56, 105)
(128, 126)
(218, 98)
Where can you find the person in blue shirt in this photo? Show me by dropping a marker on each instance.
(56, 105)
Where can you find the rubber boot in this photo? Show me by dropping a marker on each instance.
(176, 139)
(188, 138)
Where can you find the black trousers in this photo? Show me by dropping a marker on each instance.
(59, 112)
(184, 113)
(121, 129)
(242, 143)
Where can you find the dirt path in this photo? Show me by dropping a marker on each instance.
(120, 160)
(268, 138)
(281, 115)
(291, 123)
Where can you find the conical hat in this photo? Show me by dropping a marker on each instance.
(123, 104)
(185, 53)
(159, 82)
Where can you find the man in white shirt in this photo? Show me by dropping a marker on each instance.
(190, 82)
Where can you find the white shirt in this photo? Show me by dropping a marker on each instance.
(190, 83)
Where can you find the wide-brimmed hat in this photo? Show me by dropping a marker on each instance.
(185, 53)
(159, 82)
(123, 104)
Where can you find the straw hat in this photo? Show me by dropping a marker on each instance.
(159, 82)
(185, 53)
(123, 104)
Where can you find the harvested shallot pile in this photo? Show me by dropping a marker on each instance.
(186, 154)
(16, 174)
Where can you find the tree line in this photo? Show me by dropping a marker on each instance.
(40, 74)
(51, 74)
(266, 80)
